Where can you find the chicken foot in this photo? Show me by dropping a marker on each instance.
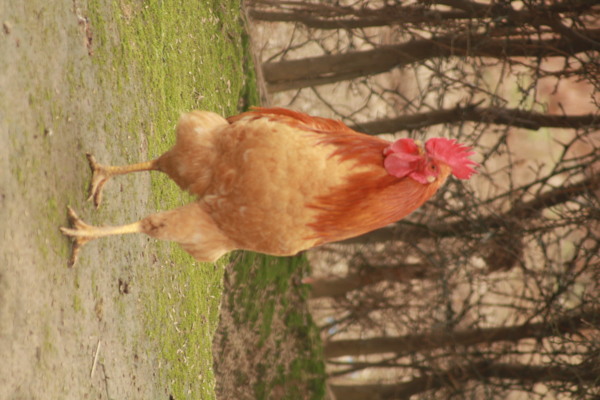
(81, 233)
(102, 173)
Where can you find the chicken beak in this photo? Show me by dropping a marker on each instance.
(419, 144)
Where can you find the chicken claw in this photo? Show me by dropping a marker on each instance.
(81, 233)
(100, 175)
(77, 233)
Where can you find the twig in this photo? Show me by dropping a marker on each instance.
(95, 359)
(495, 115)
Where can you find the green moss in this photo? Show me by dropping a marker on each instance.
(94, 284)
(77, 304)
(167, 58)
(185, 55)
(261, 293)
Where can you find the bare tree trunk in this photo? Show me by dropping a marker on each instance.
(329, 16)
(332, 287)
(321, 16)
(321, 70)
(429, 341)
(525, 374)
(501, 116)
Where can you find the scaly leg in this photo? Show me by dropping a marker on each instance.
(102, 173)
(81, 233)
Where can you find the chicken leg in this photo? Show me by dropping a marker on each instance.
(102, 173)
(188, 225)
(83, 233)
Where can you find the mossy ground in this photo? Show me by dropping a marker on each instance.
(112, 78)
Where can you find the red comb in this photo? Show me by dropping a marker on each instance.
(454, 154)
(402, 157)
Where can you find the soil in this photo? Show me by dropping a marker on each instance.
(66, 333)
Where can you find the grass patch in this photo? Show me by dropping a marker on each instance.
(77, 306)
(268, 337)
(173, 57)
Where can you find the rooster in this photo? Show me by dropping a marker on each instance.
(277, 181)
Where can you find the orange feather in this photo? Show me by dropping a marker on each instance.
(277, 181)
(369, 199)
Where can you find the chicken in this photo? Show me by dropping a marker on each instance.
(277, 181)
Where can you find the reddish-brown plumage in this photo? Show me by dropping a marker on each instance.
(367, 202)
(277, 181)
(369, 199)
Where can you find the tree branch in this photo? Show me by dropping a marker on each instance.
(313, 71)
(493, 115)
(429, 341)
(332, 287)
(325, 16)
(464, 373)
(344, 18)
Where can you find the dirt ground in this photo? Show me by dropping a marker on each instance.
(66, 333)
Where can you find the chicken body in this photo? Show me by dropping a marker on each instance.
(253, 178)
(276, 182)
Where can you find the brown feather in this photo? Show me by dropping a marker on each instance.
(368, 201)
(278, 181)
(369, 198)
